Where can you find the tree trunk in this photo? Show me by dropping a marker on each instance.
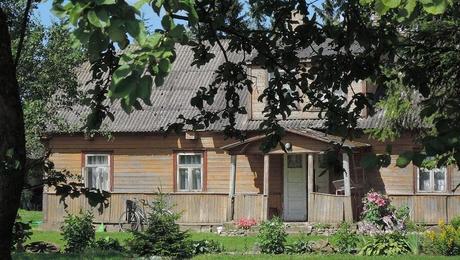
(12, 141)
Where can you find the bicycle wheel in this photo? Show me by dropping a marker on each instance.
(128, 221)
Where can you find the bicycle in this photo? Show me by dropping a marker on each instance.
(134, 216)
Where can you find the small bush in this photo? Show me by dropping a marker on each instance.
(21, 232)
(446, 242)
(272, 236)
(78, 231)
(108, 244)
(455, 222)
(299, 247)
(389, 244)
(207, 247)
(162, 236)
(345, 240)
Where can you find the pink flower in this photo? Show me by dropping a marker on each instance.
(246, 223)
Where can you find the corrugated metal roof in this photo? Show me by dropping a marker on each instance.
(173, 99)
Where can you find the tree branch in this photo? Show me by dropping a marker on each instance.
(23, 32)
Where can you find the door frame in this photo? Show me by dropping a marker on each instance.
(285, 185)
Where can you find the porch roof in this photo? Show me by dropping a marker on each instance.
(319, 141)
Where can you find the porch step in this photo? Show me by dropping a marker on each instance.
(298, 227)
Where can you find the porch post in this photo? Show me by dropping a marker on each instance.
(346, 174)
(266, 188)
(347, 204)
(232, 189)
(310, 185)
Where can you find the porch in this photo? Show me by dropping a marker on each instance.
(299, 183)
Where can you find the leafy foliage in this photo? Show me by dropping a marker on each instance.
(207, 247)
(162, 237)
(300, 246)
(389, 244)
(78, 232)
(455, 222)
(446, 242)
(108, 244)
(272, 236)
(345, 240)
(405, 8)
(21, 232)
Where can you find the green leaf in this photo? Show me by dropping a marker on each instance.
(97, 43)
(436, 7)
(380, 7)
(167, 22)
(137, 30)
(153, 40)
(159, 80)
(178, 32)
(404, 159)
(365, 2)
(145, 87)
(117, 34)
(105, 2)
(124, 87)
(165, 65)
(120, 73)
(156, 6)
(391, 3)
(369, 161)
(99, 18)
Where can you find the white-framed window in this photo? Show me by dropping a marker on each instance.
(432, 180)
(97, 171)
(189, 171)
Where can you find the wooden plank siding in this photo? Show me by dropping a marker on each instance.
(429, 209)
(326, 208)
(143, 163)
(209, 208)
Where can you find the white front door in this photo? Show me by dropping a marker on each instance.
(295, 187)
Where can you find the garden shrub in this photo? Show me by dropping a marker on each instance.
(379, 215)
(446, 242)
(78, 231)
(21, 232)
(108, 244)
(299, 247)
(455, 222)
(162, 236)
(389, 244)
(207, 247)
(272, 236)
(344, 240)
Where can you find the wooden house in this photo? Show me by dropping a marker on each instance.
(213, 180)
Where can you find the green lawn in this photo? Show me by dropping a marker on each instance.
(227, 256)
(235, 247)
(36, 217)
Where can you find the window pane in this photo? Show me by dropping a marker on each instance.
(183, 179)
(424, 180)
(440, 179)
(190, 159)
(103, 178)
(98, 160)
(89, 178)
(294, 161)
(196, 179)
